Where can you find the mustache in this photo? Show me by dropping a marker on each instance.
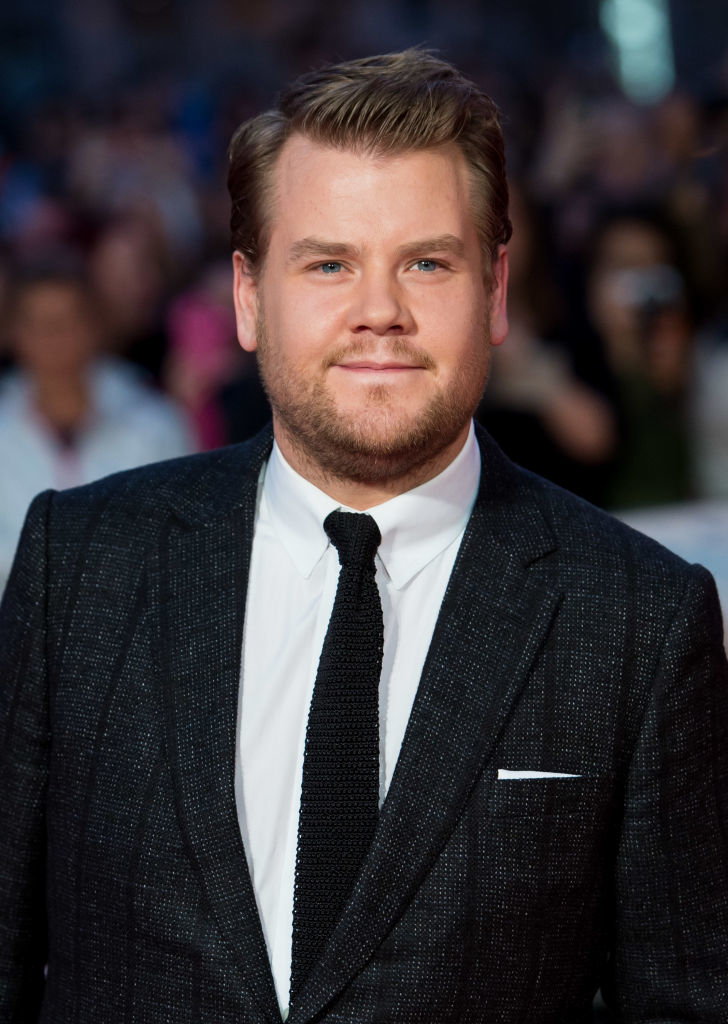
(396, 348)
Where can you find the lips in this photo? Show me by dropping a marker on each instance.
(376, 367)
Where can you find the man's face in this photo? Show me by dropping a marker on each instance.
(54, 330)
(371, 315)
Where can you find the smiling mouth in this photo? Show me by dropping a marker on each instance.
(395, 357)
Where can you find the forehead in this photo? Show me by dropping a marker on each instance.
(349, 192)
(52, 296)
(632, 243)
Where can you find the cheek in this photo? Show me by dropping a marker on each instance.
(308, 324)
(461, 333)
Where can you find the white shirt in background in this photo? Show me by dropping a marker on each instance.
(130, 424)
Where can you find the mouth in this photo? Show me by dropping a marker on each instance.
(374, 366)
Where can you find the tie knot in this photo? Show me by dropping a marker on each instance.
(355, 535)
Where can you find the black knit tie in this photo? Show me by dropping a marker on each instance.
(340, 790)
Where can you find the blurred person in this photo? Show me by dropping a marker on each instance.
(535, 406)
(639, 306)
(566, 141)
(203, 356)
(127, 269)
(685, 158)
(69, 415)
(359, 722)
(595, 152)
(624, 169)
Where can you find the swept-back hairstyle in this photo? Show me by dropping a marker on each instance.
(383, 105)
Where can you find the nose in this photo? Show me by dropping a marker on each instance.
(380, 306)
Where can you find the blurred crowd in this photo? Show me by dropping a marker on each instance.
(117, 335)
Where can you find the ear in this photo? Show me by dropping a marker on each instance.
(245, 296)
(498, 309)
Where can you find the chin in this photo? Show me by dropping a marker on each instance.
(375, 445)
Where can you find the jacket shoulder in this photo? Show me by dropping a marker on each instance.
(595, 545)
(194, 487)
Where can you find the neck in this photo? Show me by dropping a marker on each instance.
(361, 494)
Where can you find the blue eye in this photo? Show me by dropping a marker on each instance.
(332, 267)
(427, 266)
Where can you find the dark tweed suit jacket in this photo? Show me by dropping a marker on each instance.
(566, 643)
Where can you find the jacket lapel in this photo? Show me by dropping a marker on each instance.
(204, 559)
(496, 612)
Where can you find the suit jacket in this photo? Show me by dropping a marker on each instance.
(566, 643)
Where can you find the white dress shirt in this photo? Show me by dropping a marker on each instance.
(293, 577)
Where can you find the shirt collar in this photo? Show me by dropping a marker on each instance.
(415, 526)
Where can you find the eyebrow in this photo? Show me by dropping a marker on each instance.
(440, 243)
(312, 248)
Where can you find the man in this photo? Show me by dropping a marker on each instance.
(552, 764)
(68, 414)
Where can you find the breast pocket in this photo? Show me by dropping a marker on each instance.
(539, 798)
(547, 844)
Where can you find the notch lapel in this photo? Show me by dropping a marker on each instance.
(495, 615)
(204, 558)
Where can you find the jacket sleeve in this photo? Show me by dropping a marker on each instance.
(669, 962)
(24, 754)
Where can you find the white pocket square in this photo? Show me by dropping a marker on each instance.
(506, 773)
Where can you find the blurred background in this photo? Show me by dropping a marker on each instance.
(117, 341)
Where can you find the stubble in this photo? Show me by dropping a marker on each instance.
(381, 444)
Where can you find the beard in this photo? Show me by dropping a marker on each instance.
(378, 443)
